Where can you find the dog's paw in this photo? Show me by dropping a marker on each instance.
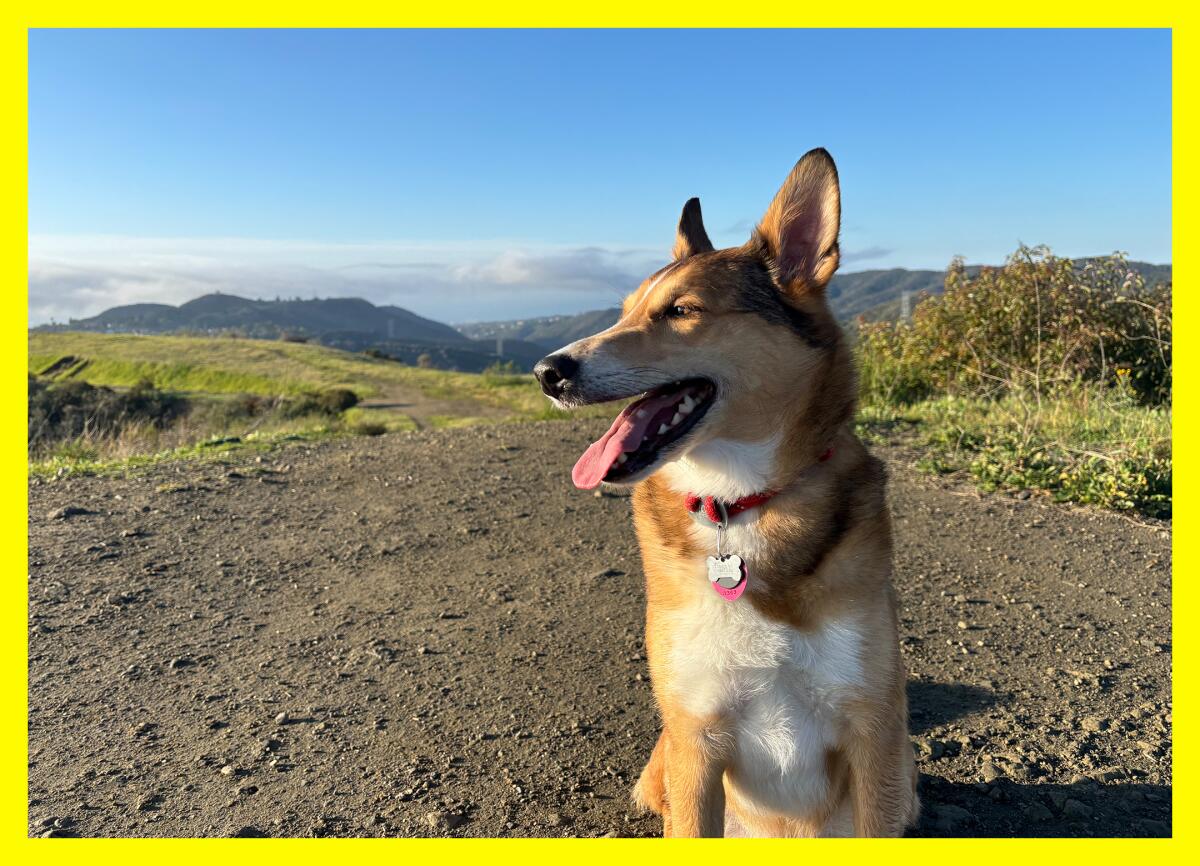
(649, 794)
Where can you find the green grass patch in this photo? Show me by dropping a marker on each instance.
(225, 365)
(1082, 445)
(72, 459)
(376, 422)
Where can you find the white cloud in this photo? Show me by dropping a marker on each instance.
(79, 276)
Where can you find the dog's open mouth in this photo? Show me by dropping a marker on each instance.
(644, 431)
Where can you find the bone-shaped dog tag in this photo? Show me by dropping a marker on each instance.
(727, 575)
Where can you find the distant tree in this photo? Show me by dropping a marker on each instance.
(425, 360)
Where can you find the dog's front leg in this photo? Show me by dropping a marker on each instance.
(695, 795)
(883, 782)
(650, 792)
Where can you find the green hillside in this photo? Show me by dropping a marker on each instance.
(239, 393)
(224, 365)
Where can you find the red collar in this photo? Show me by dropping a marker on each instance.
(708, 505)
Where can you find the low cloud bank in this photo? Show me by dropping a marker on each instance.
(79, 277)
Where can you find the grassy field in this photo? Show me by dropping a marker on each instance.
(215, 374)
(223, 365)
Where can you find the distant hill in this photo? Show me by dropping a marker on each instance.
(547, 331)
(345, 323)
(874, 295)
(466, 355)
(218, 314)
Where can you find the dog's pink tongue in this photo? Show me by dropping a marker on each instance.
(625, 434)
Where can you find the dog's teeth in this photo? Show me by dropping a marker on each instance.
(623, 458)
(662, 428)
(685, 409)
(687, 405)
(676, 419)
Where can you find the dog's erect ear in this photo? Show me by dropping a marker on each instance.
(690, 237)
(799, 233)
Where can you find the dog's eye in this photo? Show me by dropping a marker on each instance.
(679, 311)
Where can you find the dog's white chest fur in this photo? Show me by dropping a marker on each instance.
(779, 690)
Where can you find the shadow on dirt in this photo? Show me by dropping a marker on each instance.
(1005, 809)
(931, 704)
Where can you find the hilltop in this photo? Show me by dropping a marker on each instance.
(352, 324)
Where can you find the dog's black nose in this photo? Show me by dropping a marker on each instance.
(555, 372)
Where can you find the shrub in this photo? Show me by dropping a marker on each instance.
(74, 409)
(1042, 374)
(331, 402)
(337, 400)
(1036, 324)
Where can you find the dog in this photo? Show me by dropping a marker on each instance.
(771, 624)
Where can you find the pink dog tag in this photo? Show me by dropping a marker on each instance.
(727, 575)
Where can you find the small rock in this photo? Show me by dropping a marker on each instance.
(951, 818)
(228, 770)
(1037, 812)
(282, 719)
(65, 512)
(445, 819)
(930, 748)
(1075, 810)
(990, 772)
(1094, 724)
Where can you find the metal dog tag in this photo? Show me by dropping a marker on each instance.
(725, 572)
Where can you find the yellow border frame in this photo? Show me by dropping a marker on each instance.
(539, 13)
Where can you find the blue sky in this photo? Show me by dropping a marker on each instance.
(474, 175)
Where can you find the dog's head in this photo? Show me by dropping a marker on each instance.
(735, 345)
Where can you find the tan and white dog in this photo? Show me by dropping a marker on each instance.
(774, 659)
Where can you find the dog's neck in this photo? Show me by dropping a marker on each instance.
(725, 469)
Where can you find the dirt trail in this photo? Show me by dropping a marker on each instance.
(434, 634)
(423, 410)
